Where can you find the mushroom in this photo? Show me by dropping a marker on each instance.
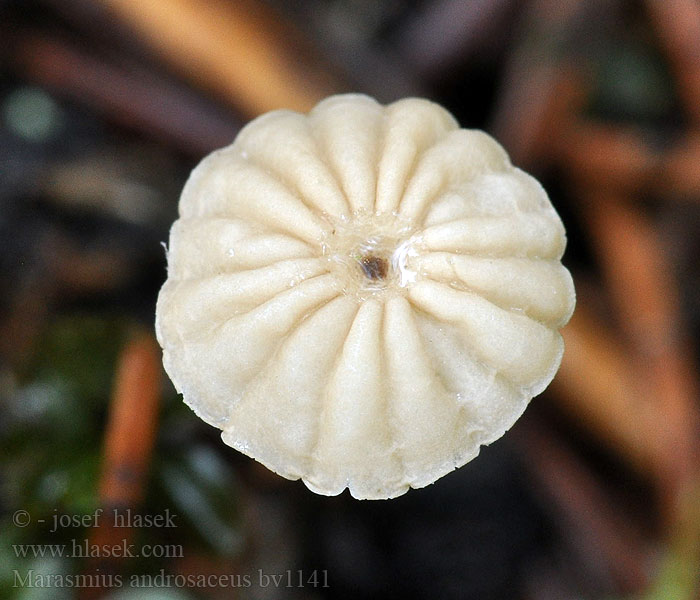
(363, 296)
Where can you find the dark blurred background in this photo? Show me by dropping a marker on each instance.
(106, 106)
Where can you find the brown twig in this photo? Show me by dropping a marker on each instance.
(603, 156)
(678, 26)
(600, 528)
(136, 99)
(679, 176)
(645, 294)
(240, 50)
(445, 32)
(132, 423)
(596, 385)
(129, 440)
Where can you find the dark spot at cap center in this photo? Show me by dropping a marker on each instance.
(374, 267)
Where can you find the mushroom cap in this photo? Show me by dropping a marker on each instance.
(362, 296)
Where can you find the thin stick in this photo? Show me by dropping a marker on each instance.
(601, 529)
(129, 440)
(678, 26)
(645, 294)
(237, 49)
(132, 423)
(596, 386)
(136, 99)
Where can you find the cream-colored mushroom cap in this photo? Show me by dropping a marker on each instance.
(362, 296)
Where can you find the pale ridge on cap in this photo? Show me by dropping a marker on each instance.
(363, 296)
